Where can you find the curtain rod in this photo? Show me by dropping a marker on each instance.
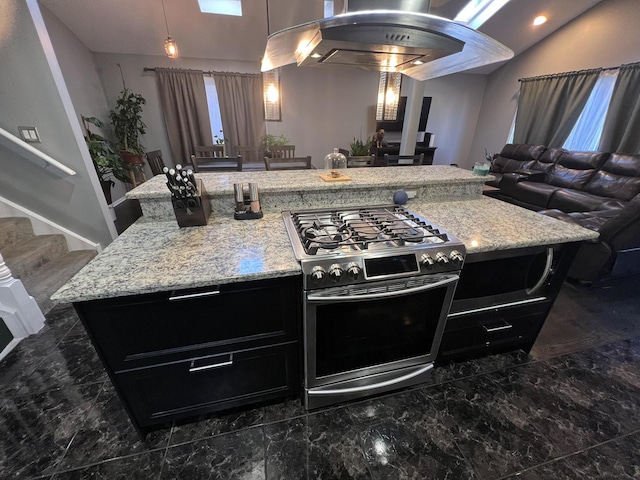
(208, 72)
(555, 75)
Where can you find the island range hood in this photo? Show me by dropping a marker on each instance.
(385, 35)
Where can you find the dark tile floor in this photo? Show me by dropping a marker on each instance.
(569, 410)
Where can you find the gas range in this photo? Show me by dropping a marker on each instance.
(353, 245)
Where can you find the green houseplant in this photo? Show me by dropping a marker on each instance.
(359, 148)
(106, 160)
(267, 141)
(128, 126)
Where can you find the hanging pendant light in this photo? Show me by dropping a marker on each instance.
(271, 87)
(170, 45)
(388, 96)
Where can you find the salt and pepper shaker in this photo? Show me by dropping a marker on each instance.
(238, 190)
(253, 198)
(241, 210)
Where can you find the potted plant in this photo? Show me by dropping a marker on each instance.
(128, 126)
(267, 141)
(106, 160)
(360, 152)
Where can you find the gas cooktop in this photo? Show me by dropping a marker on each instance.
(358, 244)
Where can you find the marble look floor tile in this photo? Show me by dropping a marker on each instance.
(233, 456)
(556, 469)
(324, 445)
(36, 429)
(71, 361)
(216, 424)
(62, 318)
(615, 460)
(401, 438)
(284, 410)
(453, 371)
(492, 433)
(145, 466)
(108, 433)
(562, 413)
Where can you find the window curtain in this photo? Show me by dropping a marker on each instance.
(186, 115)
(586, 133)
(621, 132)
(549, 106)
(240, 100)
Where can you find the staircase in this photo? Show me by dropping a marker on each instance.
(42, 262)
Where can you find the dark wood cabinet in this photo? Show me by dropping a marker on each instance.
(174, 355)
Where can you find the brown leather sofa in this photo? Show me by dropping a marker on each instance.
(599, 191)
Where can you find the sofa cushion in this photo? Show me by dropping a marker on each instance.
(618, 178)
(516, 156)
(548, 159)
(569, 200)
(575, 169)
(533, 193)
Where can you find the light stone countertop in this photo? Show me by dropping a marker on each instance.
(154, 256)
(309, 180)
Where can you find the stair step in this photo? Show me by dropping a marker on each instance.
(54, 274)
(14, 230)
(28, 257)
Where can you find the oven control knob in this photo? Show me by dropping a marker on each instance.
(441, 259)
(353, 270)
(456, 257)
(427, 262)
(318, 274)
(335, 272)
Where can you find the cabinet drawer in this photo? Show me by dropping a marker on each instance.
(210, 383)
(153, 329)
(496, 328)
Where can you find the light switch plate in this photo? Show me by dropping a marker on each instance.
(29, 134)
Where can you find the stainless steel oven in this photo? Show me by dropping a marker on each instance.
(378, 284)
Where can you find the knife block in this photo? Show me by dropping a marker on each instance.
(192, 212)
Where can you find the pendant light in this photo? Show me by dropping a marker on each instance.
(388, 96)
(170, 46)
(271, 88)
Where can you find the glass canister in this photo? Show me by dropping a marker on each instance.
(335, 161)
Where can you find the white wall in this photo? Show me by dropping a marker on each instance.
(29, 95)
(607, 35)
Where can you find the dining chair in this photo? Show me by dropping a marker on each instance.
(402, 160)
(156, 163)
(209, 151)
(250, 153)
(359, 162)
(216, 164)
(293, 163)
(283, 151)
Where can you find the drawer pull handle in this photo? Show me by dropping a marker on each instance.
(506, 326)
(228, 363)
(194, 295)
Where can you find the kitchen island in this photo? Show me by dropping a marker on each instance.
(193, 320)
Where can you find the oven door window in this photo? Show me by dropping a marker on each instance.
(359, 334)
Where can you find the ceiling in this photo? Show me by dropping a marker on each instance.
(138, 27)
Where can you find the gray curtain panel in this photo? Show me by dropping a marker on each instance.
(241, 110)
(549, 106)
(621, 132)
(186, 114)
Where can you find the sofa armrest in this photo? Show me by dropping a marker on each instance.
(531, 175)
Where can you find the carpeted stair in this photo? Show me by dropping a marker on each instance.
(42, 262)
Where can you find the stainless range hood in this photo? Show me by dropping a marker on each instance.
(385, 35)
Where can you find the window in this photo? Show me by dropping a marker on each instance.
(214, 107)
(586, 133)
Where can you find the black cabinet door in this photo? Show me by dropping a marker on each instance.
(146, 330)
(210, 383)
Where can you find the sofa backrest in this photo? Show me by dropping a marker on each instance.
(516, 157)
(548, 159)
(619, 177)
(575, 169)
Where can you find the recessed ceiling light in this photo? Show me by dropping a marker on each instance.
(539, 20)
(222, 7)
(315, 55)
(417, 62)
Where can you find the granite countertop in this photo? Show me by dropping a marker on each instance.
(153, 256)
(309, 180)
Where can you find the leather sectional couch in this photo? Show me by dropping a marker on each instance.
(599, 191)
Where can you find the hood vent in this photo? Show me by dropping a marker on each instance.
(405, 40)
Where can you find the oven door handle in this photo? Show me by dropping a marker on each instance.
(365, 296)
(368, 388)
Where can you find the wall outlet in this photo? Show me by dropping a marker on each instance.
(411, 193)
